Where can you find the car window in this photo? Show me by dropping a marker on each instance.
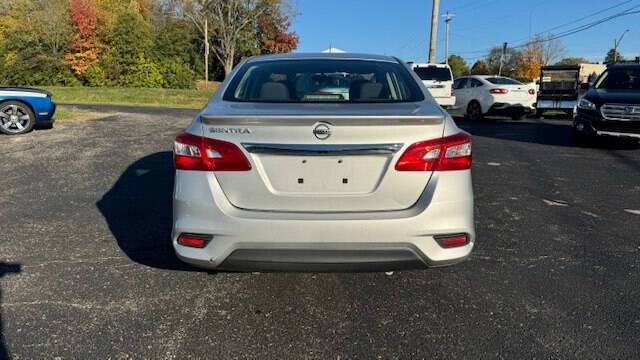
(619, 79)
(460, 83)
(476, 83)
(501, 80)
(313, 81)
(433, 73)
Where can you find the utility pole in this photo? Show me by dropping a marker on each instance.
(616, 43)
(504, 51)
(447, 19)
(434, 31)
(206, 53)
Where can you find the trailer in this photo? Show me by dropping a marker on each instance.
(561, 85)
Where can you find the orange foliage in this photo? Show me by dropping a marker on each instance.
(531, 62)
(85, 45)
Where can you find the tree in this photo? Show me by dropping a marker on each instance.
(85, 45)
(479, 68)
(572, 61)
(36, 34)
(458, 66)
(612, 56)
(510, 63)
(231, 17)
(539, 52)
(273, 31)
(130, 43)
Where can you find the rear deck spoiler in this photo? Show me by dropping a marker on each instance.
(309, 120)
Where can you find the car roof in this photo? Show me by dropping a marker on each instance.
(624, 66)
(328, 56)
(429, 65)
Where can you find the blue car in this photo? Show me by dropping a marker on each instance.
(21, 109)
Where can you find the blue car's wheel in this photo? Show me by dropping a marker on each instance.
(16, 118)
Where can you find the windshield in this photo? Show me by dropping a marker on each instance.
(433, 73)
(503, 81)
(619, 79)
(318, 81)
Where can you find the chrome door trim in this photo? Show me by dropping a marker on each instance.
(323, 150)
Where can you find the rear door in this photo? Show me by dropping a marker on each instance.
(462, 93)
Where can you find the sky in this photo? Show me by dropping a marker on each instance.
(401, 27)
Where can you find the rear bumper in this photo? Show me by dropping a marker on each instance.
(364, 241)
(556, 104)
(446, 102)
(509, 109)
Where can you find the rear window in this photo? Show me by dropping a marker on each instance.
(503, 81)
(322, 81)
(433, 73)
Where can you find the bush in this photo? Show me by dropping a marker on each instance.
(177, 74)
(39, 70)
(95, 76)
(144, 74)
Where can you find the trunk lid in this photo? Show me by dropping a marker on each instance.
(322, 157)
(518, 92)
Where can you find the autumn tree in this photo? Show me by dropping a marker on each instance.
(85, 46)
(479, 68)
(35, 35)
(538, 52)
(273, 30)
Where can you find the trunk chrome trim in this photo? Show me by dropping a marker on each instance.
(323, 150)
(309, 120)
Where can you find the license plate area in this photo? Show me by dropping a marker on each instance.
(322, 175)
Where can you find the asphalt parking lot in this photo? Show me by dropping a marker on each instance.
(87, 270)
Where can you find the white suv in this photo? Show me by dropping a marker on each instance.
(438, 79)
(282, 171)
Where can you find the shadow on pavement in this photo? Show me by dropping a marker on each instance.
(538, 132)
(138, 210)
(5, 269)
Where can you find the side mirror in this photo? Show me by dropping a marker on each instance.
(585, 86)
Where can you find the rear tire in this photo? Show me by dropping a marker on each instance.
(539, 113)
(474, 111)
(16, 118)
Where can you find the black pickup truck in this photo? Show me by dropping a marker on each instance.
(611, 107)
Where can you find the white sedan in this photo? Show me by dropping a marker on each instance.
(480, 95)
(275, 174)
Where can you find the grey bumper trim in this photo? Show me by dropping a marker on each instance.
(307, 260)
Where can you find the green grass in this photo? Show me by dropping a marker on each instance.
(190, 99)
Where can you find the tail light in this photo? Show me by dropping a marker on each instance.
(194, 240)
(498, 91)
(532, 92)
(191, 152)
(453, 93)
(444, 154)
(451, 241)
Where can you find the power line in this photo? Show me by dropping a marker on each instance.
(572, 31)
